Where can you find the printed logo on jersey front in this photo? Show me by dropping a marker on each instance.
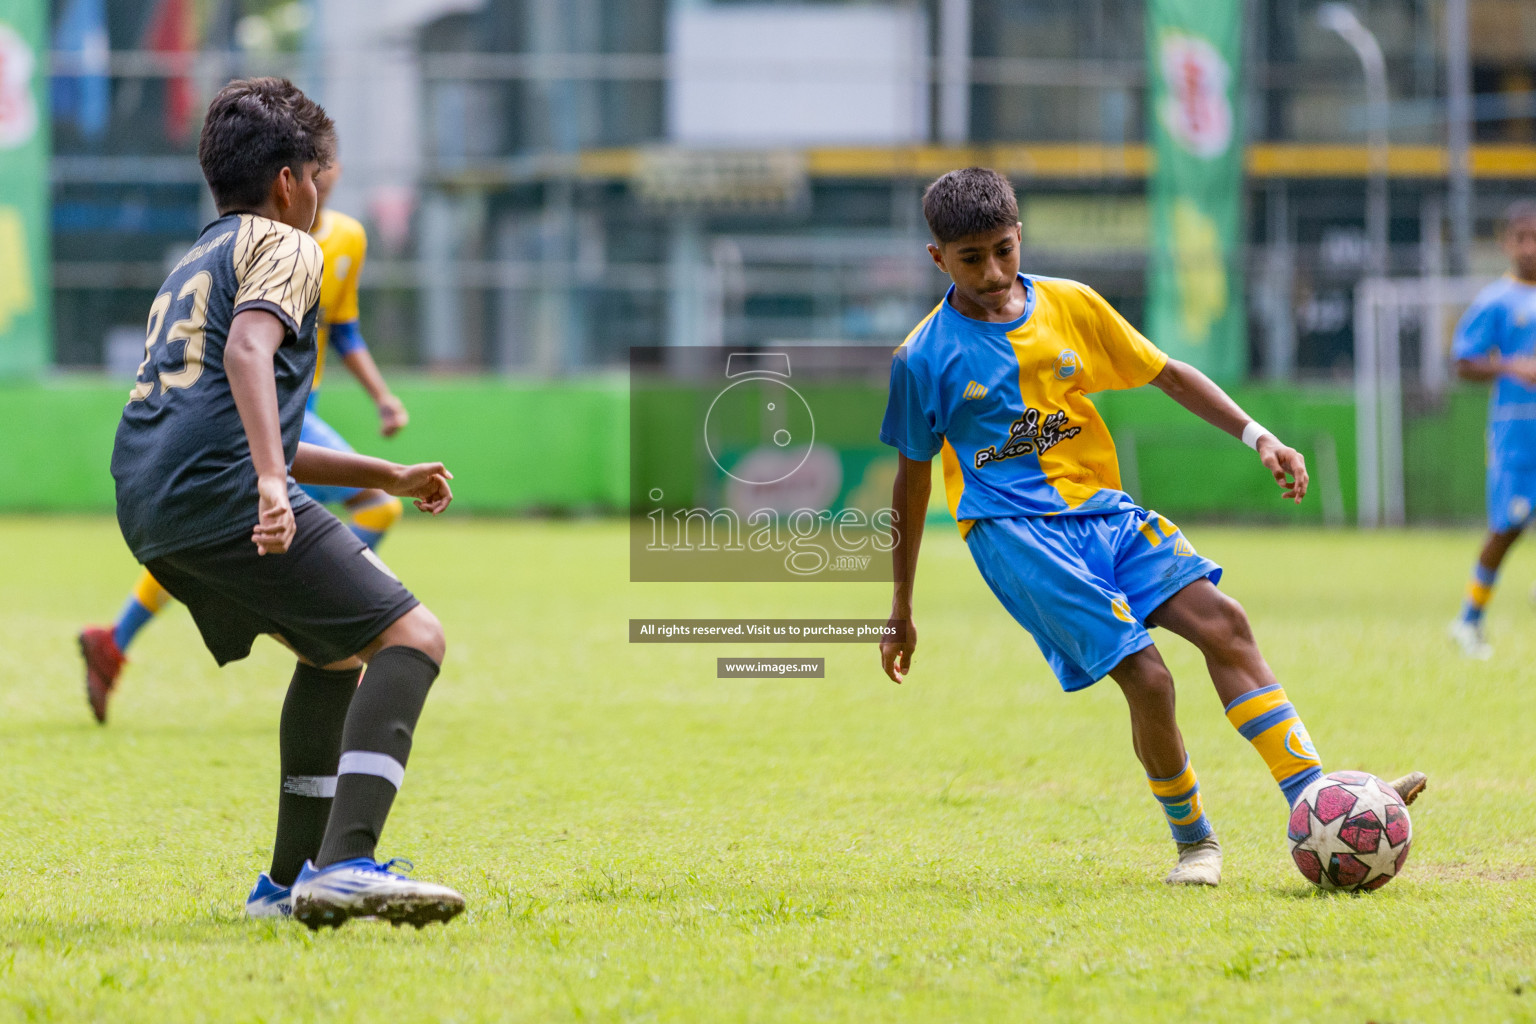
(1066, 364)
(974, 390)
(1030, 434)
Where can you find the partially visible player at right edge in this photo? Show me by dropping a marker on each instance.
(996, 381)
(1496, 341)
(208, 462)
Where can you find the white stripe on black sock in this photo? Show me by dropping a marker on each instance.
(321, 786)
(367, 762)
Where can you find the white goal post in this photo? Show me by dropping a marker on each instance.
(1384, 309)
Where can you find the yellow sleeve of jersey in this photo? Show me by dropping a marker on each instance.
(351, 251)
(1122, 357)
(279, 268)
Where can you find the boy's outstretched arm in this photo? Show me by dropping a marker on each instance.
(909, 508)
(427, 482)
(255, 335)
(1200, 395)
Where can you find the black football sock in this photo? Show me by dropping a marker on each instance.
(309, 739)
(375, 747)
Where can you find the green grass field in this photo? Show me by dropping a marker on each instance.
(639, 840)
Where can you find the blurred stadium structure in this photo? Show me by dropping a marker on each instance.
(547, 182)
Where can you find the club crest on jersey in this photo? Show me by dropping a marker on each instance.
(1066, 364)
(1029, 433)
(1299, 745)
(1122, 609)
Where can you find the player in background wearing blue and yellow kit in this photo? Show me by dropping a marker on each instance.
(370, 512)
(1496, 341)
(995, 381)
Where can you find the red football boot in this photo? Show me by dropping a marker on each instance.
(103, 662)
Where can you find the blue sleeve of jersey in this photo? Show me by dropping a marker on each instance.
(908, 426)
(347, 338)
(1479, 329)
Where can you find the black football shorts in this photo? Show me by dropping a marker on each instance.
(327, 595)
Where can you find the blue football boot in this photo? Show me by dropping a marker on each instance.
(362, 888)
(268, 899)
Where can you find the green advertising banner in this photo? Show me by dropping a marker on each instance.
(25, 345)
(1194, 277)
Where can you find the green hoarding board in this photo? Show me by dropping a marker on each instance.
(1195, 287)
(25, 346)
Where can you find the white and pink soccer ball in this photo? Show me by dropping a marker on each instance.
(1350, 831)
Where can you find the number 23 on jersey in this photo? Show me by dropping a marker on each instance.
(189, 329)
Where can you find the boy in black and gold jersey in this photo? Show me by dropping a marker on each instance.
(208, 462)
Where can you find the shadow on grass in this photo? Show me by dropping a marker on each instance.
(215, 930)
(1312, 892)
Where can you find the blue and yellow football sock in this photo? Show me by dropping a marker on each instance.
(371, 522)
(144, 603)
(1180, 800)
(1479, 590)
(1267, 720)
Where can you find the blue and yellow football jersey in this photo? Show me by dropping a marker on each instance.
(180, 459)
(345, 246)
(1503, 319)
(1006, 404)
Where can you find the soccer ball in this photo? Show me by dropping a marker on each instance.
(1350, 830)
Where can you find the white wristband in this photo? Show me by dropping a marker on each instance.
(1252, 432)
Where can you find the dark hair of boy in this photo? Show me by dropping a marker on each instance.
(973, 201)
(255, 127)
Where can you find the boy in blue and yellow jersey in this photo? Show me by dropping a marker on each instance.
(995, 381)
(1496, 341)
(371, 512)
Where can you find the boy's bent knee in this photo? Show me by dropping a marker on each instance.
(1233, 619)
(417, 628)
(1222, 627)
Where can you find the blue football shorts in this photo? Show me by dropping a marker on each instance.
(318, 432)
(1083, 586)
(1511, 495)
